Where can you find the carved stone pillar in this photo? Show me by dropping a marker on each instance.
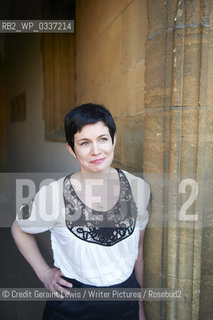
(3, 118)
(178, 150)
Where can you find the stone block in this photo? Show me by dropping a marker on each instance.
(207, 251)
(192, 13)
(157, 209)
(111, 9)
(157, 214)
(207, 211)
(155, 131)
(191, 69)
(134, 32)
(112, 93)
(175, 143)
(136, 89)
(189, 293)
(158, 78)
(205, 125)
(172, 303)
(206, 297)
(132, 141)
(94, 17)
(152, 309)
(184, 306)
(206, 95)
(172, 255)
(189, 132)
(101, 61)
(152, 279)
(152, 254)
(87, 23)
(185, 253)
(156, 17)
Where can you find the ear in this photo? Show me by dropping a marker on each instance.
(115, 140)
(70, 150)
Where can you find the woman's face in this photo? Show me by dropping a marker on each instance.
(93, 148)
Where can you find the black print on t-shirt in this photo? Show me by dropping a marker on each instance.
(103, 228)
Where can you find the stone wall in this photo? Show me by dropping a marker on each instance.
(110, 49)
(178, 156)
(3, 116)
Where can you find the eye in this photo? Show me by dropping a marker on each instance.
(84, 143)
(104, 139)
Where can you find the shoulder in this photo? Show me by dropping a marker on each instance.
(140, 188)
(51, 184)
(140, 182)
(49, 190)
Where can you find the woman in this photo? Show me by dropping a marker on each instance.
(97, 218)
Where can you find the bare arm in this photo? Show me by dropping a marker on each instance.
(139, 266)
(27, 245)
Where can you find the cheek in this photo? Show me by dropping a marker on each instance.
(81, 155)
(109, 148)
(111, 151)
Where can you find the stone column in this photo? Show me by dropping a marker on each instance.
(3, 118)
(178, 149)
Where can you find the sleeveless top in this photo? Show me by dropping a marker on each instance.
(94, 247)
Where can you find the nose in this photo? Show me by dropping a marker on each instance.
(95, 149)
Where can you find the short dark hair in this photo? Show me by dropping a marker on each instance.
(85, 114)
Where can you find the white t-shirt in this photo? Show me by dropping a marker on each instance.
(91, 252)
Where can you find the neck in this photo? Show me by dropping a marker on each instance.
(96, 175)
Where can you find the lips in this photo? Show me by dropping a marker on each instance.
(97, 161)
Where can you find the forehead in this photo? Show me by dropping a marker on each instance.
(91, 130)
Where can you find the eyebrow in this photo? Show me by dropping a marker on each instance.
(102, 135)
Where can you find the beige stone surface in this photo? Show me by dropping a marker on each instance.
(155, 130)
(192, 14)
(206, 297)
(3, 120)
(136, 89)
(134, 28)
(184, 307)
(158, 77)
(113, 94)
(172, 303)
(157, 18)
(173, 237)
(154, 81)
(178, 65)
(158, 214)
(100, 62)
(132, 141)
(152, 309)
(206, 95)
(94, 17)
(186, 247)
(177, 309)
(191, 70)
(207, 264)
(160, 95)
(189, 132)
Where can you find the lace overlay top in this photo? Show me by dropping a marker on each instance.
(93, 247)
(103, 228)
